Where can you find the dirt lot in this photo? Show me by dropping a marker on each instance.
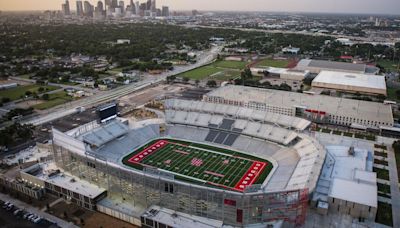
(85, 218)
(158, 92)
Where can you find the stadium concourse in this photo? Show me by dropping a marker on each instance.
(265, 166)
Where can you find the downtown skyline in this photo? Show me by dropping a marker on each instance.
(330, 6)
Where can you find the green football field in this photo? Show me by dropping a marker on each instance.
(201, 163)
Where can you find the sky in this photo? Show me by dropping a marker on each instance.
(323, 6)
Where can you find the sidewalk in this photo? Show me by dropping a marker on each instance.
(394, 187)
(36, 211)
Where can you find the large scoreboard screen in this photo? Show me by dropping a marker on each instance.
(107, 112)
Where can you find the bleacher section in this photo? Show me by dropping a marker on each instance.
(219, 123)
(118, 148)
(236, 112)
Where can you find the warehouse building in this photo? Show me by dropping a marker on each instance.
(316, 66)
(351, 82)
(317, 108)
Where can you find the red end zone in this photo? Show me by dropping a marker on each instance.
(250, 176)
(147, 151)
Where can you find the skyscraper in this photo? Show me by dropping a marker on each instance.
(99, 11)
(165, 11)
(121, 5)
(100, 6)
(114, 4)
(153, 6)
(132, 7)
(88, 9)
(65, 8)
(148, 5)
(137, 4)
(79, 8)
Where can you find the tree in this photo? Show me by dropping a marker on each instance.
(381, 97)
(28, 93)
(46, 96)
(171, 78)
(5, 100)
(246, 74)
(398, 94)
(41, 89)
(211, 83)
(185, 79)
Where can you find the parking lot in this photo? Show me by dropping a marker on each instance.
(12, 216)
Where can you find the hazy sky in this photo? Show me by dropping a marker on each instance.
(337, 6)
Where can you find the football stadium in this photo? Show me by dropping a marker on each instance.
(223, 163)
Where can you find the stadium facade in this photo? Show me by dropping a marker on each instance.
(94, 153)
(317, 108)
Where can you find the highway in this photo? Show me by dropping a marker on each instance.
(355, 39)
(204, 58)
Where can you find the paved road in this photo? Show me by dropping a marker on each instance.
(70, 108)
(36, 211)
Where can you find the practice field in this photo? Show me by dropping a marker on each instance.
(220, 71)
(273, 63)
(239, 65)
(201, 163)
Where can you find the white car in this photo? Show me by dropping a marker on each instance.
(37, 220)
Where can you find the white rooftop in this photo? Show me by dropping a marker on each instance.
(68, 182)
(348, 190)
(348, 177)
(331, 65)
(178, 219)
(351, 79)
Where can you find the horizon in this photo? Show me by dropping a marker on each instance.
(365, 7)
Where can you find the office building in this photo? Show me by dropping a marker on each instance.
(88, 9)
(66, 9)
(165, 11)
(79, 8)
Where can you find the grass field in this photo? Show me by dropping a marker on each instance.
(200, 73)
(225, 75)
(273, 63)
(239, 65)
(220, 71)
(54, 100)
(391, 94)
(18, 92)
(388, 64)
(201, 164)
(384, 214)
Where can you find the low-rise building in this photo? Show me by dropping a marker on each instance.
(351, 82)
(49, 177)
(347, 184)
(282, 73)
(316, 66)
